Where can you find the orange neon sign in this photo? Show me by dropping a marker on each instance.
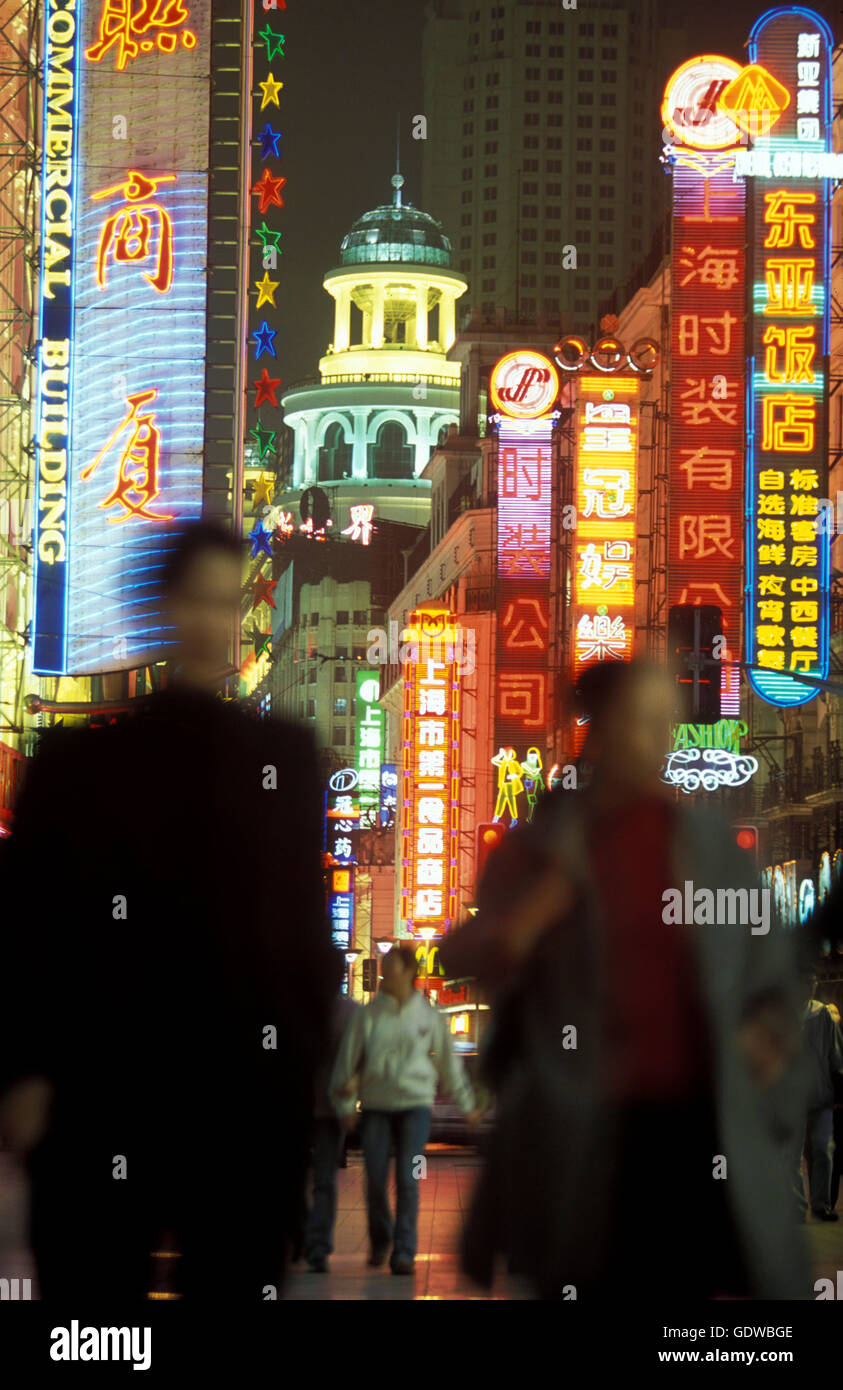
(138, 482)
(128, 231)
(139, 28)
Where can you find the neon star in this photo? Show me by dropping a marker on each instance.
(274, 43)
(268, 189)
(270, 89)
(264, 337)
(266, 291)
(262, 490)
(269, 142)
(266, 386)
(259, 536)
(263, 591)
(268, 237)
(265, 439)
(260, 641)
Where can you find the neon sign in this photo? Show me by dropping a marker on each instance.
(524, 386)
(369, 728)
(606, 484)
(430, 773)
(708, 288)
(788, 554)
(122, 332)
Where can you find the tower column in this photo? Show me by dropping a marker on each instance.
(447, 320)
(342, 319)
(378, 298)
(359, 467)
(421, 316)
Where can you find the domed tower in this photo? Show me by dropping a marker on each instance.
(386, 392)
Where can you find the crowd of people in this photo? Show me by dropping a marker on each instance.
(175, 1054)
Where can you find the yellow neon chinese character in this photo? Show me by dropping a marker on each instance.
(771, 480)
(784, 220)
(794, 432)
(772, 584)
(770, 636)
(138, 468)
(774, 659)
(790, 283)
(130, 229)
(799, 348)
(139, 29)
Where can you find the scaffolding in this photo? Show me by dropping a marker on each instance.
(19, 188)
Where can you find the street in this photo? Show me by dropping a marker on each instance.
(444, 1201)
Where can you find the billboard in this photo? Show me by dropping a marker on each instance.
(369, 727)
(430, 772)
(707, 378)
(524, 387)
(788, 175)
(122, 301)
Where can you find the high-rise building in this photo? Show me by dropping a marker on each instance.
(542, 155)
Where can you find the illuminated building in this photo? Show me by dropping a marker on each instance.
(543, 142)
(18, 97)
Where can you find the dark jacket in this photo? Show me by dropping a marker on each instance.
(169, 945)
(823, 1055)
(545, 1194)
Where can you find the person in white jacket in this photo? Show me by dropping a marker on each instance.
(393, 1053)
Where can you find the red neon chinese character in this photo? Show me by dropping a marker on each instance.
(130, 229)
(139, 30)
(138, 469)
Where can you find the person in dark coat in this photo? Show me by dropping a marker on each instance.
(328, 1146)
(643, 1064)
(822, 1058)
(170, 988)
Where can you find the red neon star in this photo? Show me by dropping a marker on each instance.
(263, 591)
(266, 388)
(269, 190)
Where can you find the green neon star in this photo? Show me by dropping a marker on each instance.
(270, 37)
(268, 237)
(265, 439)
(260, 640)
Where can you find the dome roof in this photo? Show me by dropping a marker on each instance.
(396, 233)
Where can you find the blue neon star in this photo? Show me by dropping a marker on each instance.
(264, 340)
(259, 537)
(269, 142)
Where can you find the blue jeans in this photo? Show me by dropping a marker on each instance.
(409, 1129)
(327, 1152)
(817, 1141)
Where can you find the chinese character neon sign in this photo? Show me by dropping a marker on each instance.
(135, 27)
(430, 773)
(788, 550)
(707, 390)
(127, 233)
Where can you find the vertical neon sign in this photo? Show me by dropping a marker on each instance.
(430, 773)
(524, 387)
(606, 499)
(707, 391)
(788, 549)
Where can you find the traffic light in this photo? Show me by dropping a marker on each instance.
(694, 645)
(746, 838)
(370, 976)
(489, 837)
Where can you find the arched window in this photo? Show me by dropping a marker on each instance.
(391, 456)
(334, 455)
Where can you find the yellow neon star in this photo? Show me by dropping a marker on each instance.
(262, 490)
(270, 89)
(266, 291)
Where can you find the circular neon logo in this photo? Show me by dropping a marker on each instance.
(689, 109)
(524, 385)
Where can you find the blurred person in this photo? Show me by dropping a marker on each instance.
(837, 1124)
(823, 1058)
(169, 955)
(632, 1056)
(400, 1046)
(328, 1137)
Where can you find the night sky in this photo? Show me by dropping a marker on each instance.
(350, 69)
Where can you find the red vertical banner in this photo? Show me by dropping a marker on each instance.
(707, 391)
(524, 386)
